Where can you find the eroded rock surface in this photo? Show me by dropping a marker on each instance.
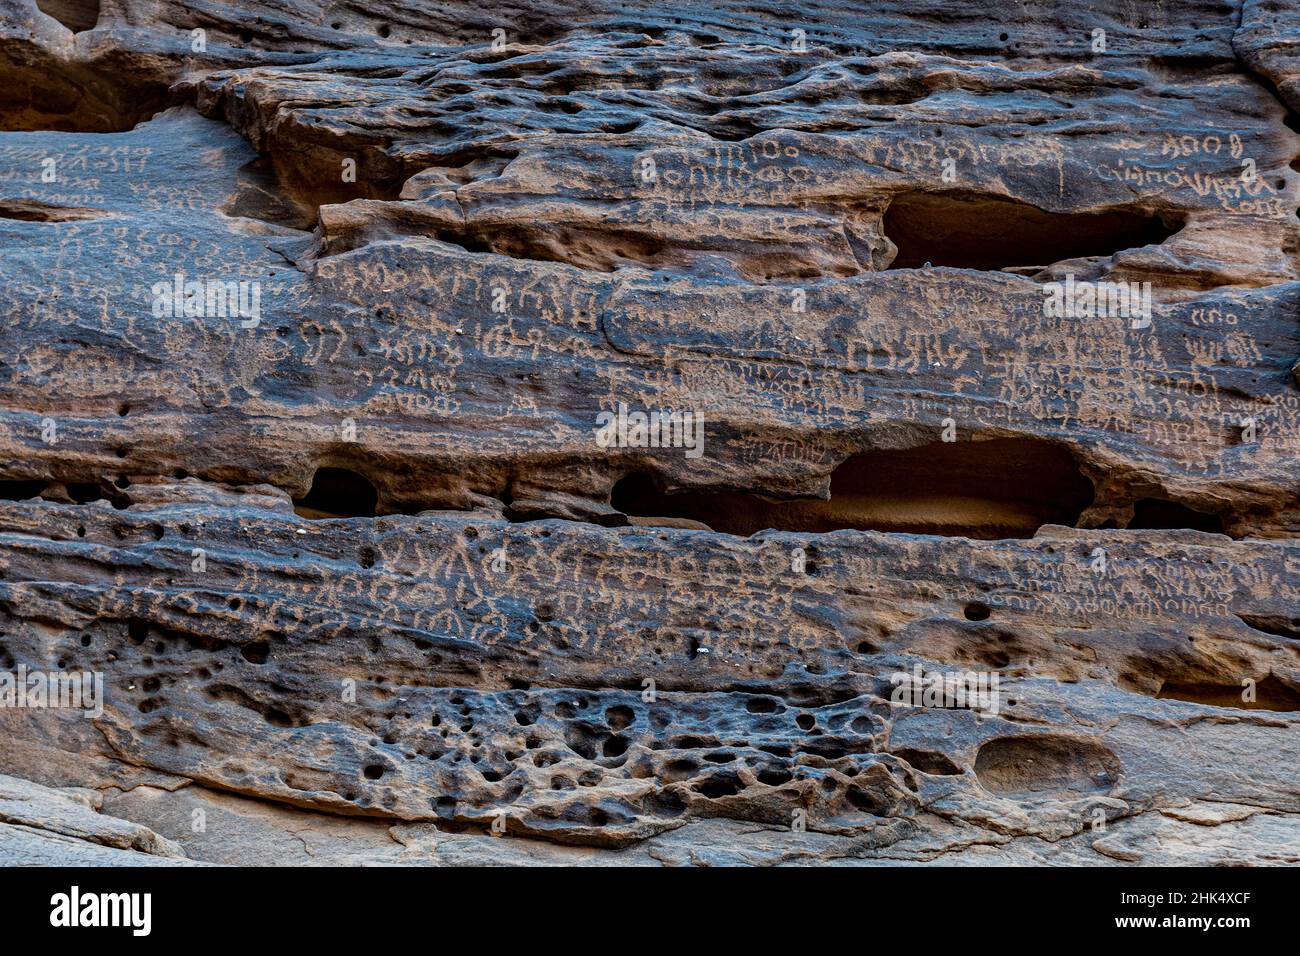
(40, 826)
(363, 585)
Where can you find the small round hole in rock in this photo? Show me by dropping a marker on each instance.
(256, 653)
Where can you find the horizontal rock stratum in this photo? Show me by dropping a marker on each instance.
(587, 433)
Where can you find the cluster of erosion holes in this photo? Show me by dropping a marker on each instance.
(73, 492)
(987, 233)
(770, 746)
(1001, 488)
(473, 743)
(159, 658)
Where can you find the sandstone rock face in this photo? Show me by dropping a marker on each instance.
(328, 327)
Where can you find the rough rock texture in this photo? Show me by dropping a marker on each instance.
(41, 826)
(363, 586)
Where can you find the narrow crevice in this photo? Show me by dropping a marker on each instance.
(31, 210)
(1002, 488)
(603, 251)
(595, 251)
(1275, 624)
(1153, 514)
(1269, 694)
(74, 492)
(992, 233)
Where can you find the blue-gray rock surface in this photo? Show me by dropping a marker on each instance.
(364, 584)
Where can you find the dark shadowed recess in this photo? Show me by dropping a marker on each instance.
(17, 490)
(1156, 513)
(109, 91)
(108, 95)
(1002, 488)
(77, 492)
(32, 210)
(967, 232)
(338, 493)
(76, 15)
(1269, 694)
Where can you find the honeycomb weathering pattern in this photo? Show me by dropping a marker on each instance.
(365, 545)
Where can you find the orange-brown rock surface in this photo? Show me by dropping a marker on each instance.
(327, 327)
